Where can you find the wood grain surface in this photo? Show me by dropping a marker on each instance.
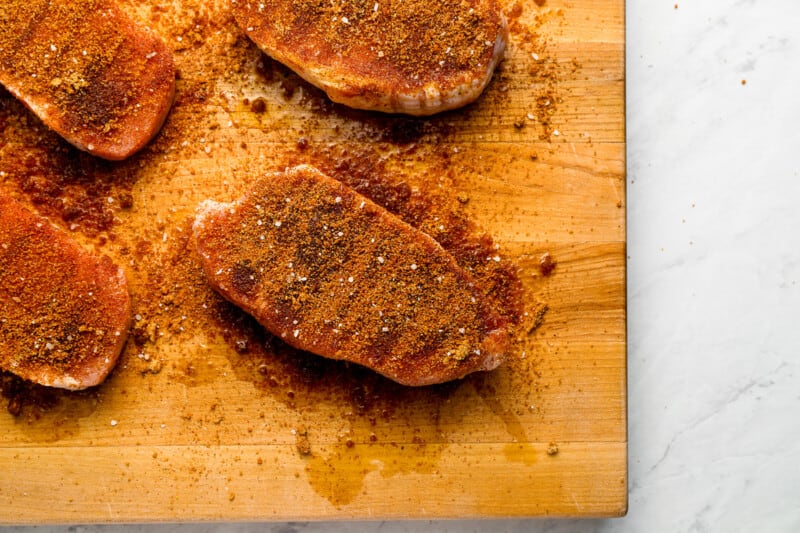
(209, 418)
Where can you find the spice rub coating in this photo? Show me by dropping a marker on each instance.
(64, 312)
(87, 71)
(398, 56)
(330, 272)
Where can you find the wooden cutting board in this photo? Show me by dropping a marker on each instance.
(208, 418)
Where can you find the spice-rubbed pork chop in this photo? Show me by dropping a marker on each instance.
(87, 71)
(399, 56)
(332, 273)
(64, 312)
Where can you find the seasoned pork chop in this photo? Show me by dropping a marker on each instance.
(332, 273)
(64, 313)
(87, 71)
(399, 56)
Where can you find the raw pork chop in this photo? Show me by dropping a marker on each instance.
(64, 313)
(399, 56)
(91, 74)
(332, 273)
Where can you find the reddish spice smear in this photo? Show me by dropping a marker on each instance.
(60, 180)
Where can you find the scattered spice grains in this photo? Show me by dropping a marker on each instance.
(546, 71)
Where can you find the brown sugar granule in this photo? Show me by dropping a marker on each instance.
(552, 449)
(330, 272)
(259, 105)
(302, 443)
(546, 264)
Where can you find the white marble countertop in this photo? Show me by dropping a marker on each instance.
(713, 279)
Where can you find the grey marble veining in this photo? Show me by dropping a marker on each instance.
(714, 280)
(714, 270)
